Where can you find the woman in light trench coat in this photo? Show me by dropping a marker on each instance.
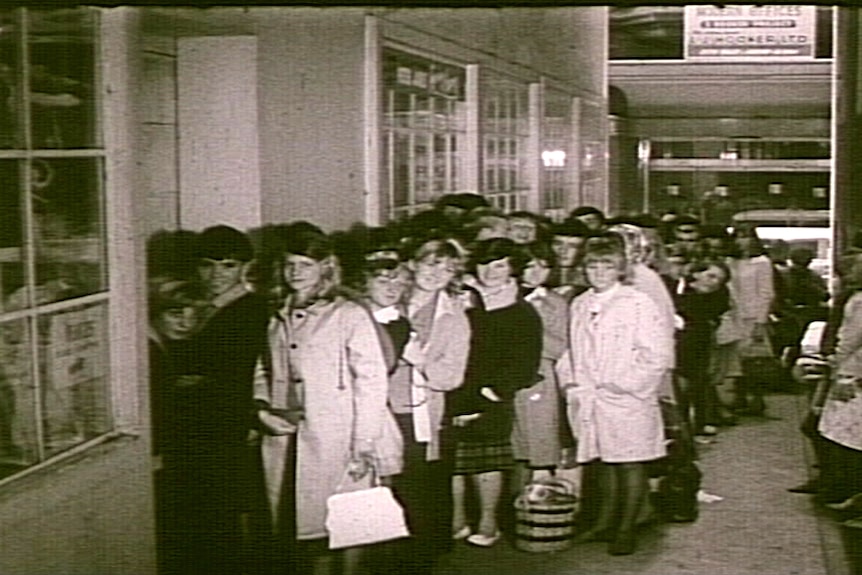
(612, 373)
(321, 393)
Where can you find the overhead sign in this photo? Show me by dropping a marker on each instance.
(749, 33)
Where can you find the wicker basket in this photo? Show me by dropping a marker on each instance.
(545, 516)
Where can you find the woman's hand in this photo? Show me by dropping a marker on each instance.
(274, 424)
(464, 420)
(360, 465)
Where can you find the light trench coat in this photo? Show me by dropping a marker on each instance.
(445, 362)
(336, 356)
(612, 372)
(841, 420)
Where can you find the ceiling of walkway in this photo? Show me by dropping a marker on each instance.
(675, 90)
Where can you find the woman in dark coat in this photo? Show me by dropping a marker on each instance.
(505, 350)
(215, 423)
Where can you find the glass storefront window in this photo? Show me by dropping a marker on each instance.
(505, 131)
(54, 368)
(557, 156)
(423, 121)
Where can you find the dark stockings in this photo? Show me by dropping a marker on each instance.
(622, 489)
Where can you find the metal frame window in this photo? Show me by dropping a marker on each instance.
(423, 130)
(55, 391)
(505, 128)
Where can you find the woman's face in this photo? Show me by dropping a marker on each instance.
(218, 276)
(708, 280)
(302, 273)
(602, 275)
(522, 230)
(495, 273)
(386, 287)
(567, 249)
(433, 272)
(177, 322)
(535, 273)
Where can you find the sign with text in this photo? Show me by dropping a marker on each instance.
(746, 33)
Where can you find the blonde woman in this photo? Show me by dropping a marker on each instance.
(611, 373)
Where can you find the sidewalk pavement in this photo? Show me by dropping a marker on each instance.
(758, 528)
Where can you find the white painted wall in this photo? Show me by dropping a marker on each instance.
(218, 132)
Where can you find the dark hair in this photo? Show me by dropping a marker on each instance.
(174, 293)
(539, 250)
(586, 211)
(703, 265)
(487, 251)
(571, 227)
(465, 201)
(224, 243)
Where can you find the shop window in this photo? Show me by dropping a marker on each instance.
(505, 131)
(557, 153)
(424, 127)
(54, 380)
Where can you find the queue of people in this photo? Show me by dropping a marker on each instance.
(455, 356)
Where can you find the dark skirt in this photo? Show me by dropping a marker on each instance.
(481, 457)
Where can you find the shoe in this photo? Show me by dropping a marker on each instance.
(480, 540)
(807, 487)
(850, 504)
(704, 439)
(623, 543)
(592, 535)
(462, 533)
(709, 430)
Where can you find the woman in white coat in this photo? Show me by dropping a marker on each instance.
(321, 394)
(612, 372)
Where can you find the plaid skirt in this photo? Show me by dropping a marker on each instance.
(476, 457)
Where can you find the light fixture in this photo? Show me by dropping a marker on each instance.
(722, 191)
(818, 192)
(672, 189)
(776, 189)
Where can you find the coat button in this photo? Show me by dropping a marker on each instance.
(293, 346)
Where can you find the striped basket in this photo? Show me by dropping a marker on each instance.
(545, 516)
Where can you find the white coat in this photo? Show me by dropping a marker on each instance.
(333, 351)
(612, 371)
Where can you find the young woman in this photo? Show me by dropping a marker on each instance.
(321, 395)
(175, 310)
(505, 351)
(702, 301)
(536, 438)
(617, 357)
(432, 364)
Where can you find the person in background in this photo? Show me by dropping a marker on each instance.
(320, 393)
(505, 350)
(752, 292)
(217, 415)
(611, 374)
(701, 302)
(805, 296)
(567, 241)
(592, 217)
(526, 228)
(175, 311)
(536, 438)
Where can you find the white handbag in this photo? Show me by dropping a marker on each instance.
(364, 516)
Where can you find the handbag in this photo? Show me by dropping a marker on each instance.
(364, 516)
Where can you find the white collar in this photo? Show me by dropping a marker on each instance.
(387, 314)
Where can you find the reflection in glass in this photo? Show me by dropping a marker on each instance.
(12, 293)
(10, 88)
(70, 250)
(18, 439)
(73, 363)
(62, 78)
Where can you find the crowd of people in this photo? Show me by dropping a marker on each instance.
(457, 356)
